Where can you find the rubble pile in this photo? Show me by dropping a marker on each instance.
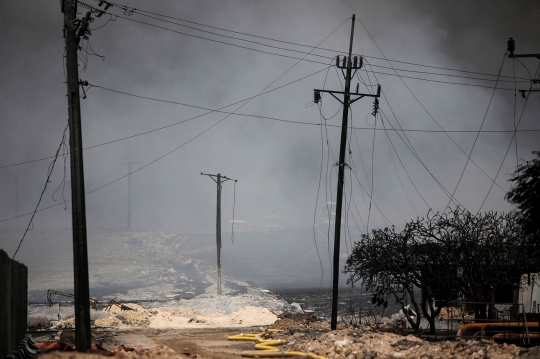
(159, 352)
(367, 343)
(454, 313)
(292, 322)
(138, 317)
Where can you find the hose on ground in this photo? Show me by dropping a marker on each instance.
(266, 348)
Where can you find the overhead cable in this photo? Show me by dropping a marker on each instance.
(144, 12)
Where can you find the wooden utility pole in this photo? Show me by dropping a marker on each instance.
(74, 29)
(130, 171)
(348, 64)
(219, 179)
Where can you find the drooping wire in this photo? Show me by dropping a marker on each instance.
(49, 173)
(319, 184)
(161, 157)
(110, 19)
(510, 144)
(65, 152)
(389, 141)
(372, 170)
(477, 135)
(93, 52)
(210, 111)
(402, 165)
(419, 102)
(395, 168)
(409, 145)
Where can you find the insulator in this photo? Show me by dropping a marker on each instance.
(337, 61)
(100, 3)
(107, 6)
(511, 46)
(316, 96)
(375, 107)
(357, 87)
(344, 61)
(355, 62)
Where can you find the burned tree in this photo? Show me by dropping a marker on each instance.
(445, 256)
(525, 194)
(391, 265)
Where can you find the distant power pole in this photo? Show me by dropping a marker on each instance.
(129, 194)
(219, 179)
(16, 203)
(349, 64)
(74, 29)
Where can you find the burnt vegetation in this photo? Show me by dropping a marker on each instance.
(445, 256)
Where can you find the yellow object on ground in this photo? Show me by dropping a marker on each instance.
(266, 348)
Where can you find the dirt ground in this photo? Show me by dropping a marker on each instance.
(173, 333)
(346, 342)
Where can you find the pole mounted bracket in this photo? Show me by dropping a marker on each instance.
(511, 47)
(360, 95)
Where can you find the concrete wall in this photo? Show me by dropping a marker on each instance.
(13, 303)
(530, 294)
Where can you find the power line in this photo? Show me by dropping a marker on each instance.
(509, 145)
(423, 107)
(477, 135)
(193, 138)
(144, 12)
(402, 165)
(219, 110)
(49, 173)
(253, 116)
(410, 146)
(308, 53)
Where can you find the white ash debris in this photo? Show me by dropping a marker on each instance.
(205, 310)
(225, 304)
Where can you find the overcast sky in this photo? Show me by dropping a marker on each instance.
(280, 166)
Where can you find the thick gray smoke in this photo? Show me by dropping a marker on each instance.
(281, 167)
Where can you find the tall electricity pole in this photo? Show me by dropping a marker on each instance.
(130, 171)
(74, 29)
(348, 64)
(219, 179)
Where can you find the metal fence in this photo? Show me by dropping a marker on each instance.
(13, 303)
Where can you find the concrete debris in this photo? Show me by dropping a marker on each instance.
(167, 317)
(366, 343)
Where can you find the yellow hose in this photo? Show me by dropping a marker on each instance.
(266, 348)
(272, 354)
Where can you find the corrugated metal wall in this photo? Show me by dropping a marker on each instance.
(13, 303)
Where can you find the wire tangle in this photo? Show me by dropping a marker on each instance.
(50, 170)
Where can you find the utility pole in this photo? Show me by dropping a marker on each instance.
(16, 203)
(348, 64)
(219, 179)
(511, 47)
(129, 194)
(74, 29)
